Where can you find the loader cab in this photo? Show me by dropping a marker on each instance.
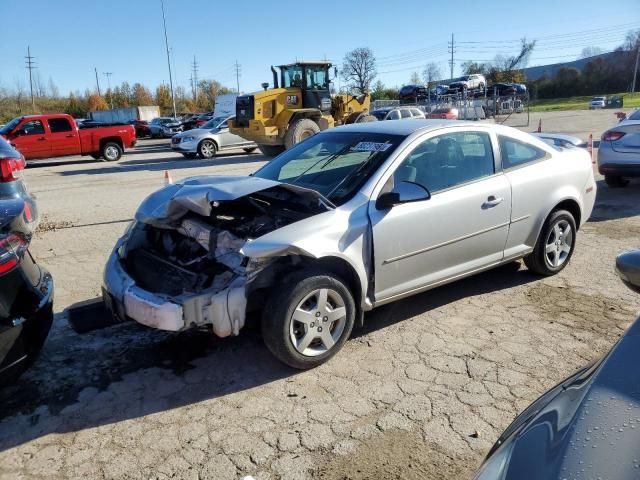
(312, 78)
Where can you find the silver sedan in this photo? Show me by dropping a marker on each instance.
(619, 152)
(350, 219)
(209, 139)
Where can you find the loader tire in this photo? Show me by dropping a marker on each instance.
(366, 119)
(271, 150)
(300, 130)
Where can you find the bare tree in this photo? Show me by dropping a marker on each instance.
(53, 89)
(590, 52)
(415, 78)
(359, 69)
(431, 74)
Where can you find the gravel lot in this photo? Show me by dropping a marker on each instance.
(422, 391)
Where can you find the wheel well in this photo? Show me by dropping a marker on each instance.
(572, 207)
(106, 140)
(315, 116)
(214, 142)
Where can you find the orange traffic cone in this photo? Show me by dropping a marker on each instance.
(167, 178)
(540, 126)
(590, 148)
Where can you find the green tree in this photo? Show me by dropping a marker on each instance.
(163, 99)
(141, 96)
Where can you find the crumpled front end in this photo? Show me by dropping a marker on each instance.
(181, 266)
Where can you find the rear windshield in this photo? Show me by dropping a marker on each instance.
(635, 115)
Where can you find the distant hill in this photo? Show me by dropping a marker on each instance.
(534, 73)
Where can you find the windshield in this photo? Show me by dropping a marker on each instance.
(336, 164)
(214, 122)
(597, 99)
(291, 76)
(635, 115)
(10, 126)
(317, 77)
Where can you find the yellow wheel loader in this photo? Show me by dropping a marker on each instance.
(299, 105)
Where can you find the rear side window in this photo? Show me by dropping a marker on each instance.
(405, 113)
(515, 153)
(416, 112)
(59, 125)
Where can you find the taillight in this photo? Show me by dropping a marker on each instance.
(12, 247)
(11, 168)
(612, 136)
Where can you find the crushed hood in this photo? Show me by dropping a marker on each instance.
(165, 207)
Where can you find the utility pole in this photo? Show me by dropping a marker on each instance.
(166, 44)
(451, 51)
(237, 69)
(635, 68)
(30, 66)
(108, 75)
(97, 82)
(194, 79)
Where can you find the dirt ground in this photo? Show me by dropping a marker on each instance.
(422, 391)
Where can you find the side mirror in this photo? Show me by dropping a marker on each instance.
(628, 269)
(403, 192)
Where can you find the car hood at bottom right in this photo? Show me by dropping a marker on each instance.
(586, 427)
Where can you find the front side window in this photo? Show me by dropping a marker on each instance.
(292, 76)
(336, 164)
(34, 127)
(448, 160)
(393, 115)
(515, 153)
(317, 78)
(57, 125)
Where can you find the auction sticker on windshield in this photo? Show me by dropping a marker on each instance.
(371, 147)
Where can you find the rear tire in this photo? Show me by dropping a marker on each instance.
(271, 150)
(207, 149)
(555, 244)
(249, 150)
(308, 318)
(614, 181)
(111, 152)
(300, 130)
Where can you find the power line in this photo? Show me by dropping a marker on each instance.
(237, 68)
(451, 49)
(30, 65)
(108, 75)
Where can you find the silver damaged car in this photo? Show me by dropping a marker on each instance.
(350, 219)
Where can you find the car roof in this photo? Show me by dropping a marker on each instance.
(401, 127)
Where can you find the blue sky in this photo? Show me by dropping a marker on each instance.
(71, 37)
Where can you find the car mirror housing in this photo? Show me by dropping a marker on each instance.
(628, 269)
(403, 192)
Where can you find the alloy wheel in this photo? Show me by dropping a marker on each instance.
(559, 244)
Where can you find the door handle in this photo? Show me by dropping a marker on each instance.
(71, 135)
(41, 139)
(492, 201)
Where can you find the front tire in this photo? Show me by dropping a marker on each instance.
(207, 149)
(614, 181)
(308, 318)
(300, 130)
(271, 150)
(111, 152)
(555, 244)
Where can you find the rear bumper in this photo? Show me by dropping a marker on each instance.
(22, 339)
(620, 169)
(223, 310)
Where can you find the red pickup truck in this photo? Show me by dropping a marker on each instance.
(57, 135)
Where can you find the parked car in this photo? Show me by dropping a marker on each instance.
(413, 93)
(189, 121)
(26, 289)
(212, 137)
(561, 140)
(586, 423)
(58, 135)
(445, 113)
(597, 102)
(164, 127)
(202, 119)
(396, 113)
(344, 222)
(468, 82)
(141, 127)
(619, 152)
(520, 88)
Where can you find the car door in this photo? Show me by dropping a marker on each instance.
(30, 138)
(463, 227)
(64, 138)
(227, 138)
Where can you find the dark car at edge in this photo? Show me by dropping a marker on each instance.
(26, 289)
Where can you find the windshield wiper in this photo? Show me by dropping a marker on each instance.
(328, 159)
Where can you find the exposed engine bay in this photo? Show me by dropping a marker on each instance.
(197, 253)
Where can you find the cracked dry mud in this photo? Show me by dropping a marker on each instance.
(422, 391)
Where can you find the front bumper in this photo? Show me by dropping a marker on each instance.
(185, 147)
(223, 310)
